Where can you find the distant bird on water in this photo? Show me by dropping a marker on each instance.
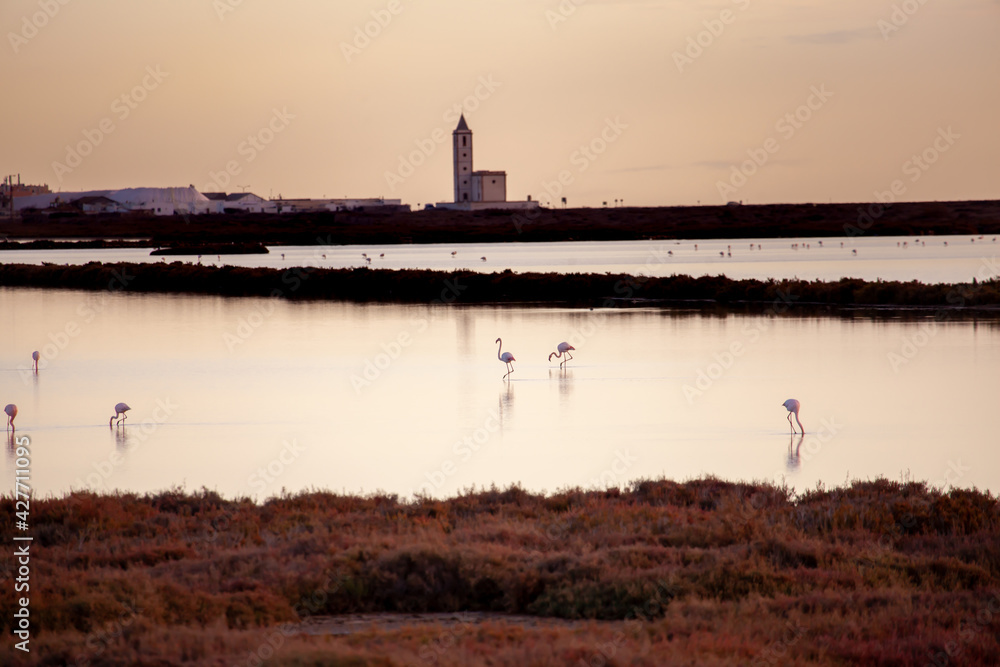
(120, 409)
(562, 348)
(792, 405)
(505, 357)
(11, 411)
(35, 356)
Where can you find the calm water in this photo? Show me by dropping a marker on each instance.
(250, 396)
(927, 259)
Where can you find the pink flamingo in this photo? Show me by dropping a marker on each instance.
(506, 357)
(11, 411)
(562, 348)
(120, 409)
(792, 405)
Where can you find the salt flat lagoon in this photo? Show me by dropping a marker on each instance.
(931, 259)
(253, 396)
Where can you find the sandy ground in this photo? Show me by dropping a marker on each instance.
(357, 623)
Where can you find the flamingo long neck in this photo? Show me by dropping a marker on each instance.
(499, 348)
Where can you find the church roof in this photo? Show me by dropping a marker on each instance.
(462, 126)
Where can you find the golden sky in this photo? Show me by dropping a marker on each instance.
(653, 102)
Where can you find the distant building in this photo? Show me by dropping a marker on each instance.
(157, 201)
(238, 202)
(477, 190)
(92, 205)
(188, 201)
(328, 205)
(371, 204)
(11, 189)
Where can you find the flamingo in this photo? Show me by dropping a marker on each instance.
(505, 357)
(11, 411)
(562, 348)
(34, 357)
(792, 405)
(120, 409)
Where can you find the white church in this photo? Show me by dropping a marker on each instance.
(477, 190)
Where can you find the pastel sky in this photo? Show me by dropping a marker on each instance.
(656, 102)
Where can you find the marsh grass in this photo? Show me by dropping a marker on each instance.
(707, 571)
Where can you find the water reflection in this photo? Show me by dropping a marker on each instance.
(564, 377)
(124, 440)
(794, 461)
(662, 387)
(869, 257)
(505, 404)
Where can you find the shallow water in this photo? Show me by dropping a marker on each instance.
(927, 259)
(252, 396)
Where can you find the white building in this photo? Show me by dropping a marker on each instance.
(158, 201)
(477, 190)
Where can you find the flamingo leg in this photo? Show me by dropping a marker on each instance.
(790, 425)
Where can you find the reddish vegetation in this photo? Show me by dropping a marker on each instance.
(705, 572)
(596, 290)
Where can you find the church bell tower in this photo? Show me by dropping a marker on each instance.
(462, 146)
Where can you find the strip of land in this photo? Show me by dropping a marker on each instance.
(600, 224)
(704, 572)
(547, 289)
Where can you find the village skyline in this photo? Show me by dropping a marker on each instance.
(652, 103)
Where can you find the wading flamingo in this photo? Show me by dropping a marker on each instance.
(120, 409)
(505, 357)
(11, 411)
(563, 348)
(792, 405)
(34, 357)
